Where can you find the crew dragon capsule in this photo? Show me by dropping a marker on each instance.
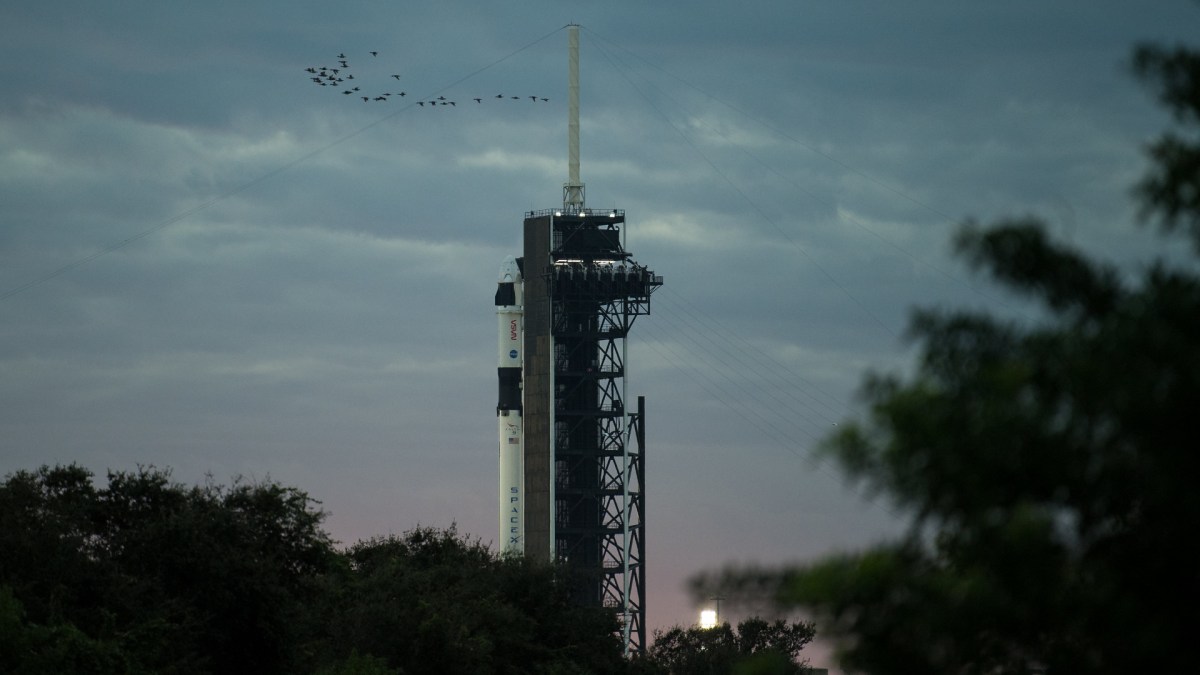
(509, 361)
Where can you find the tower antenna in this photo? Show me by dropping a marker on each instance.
(573, 191)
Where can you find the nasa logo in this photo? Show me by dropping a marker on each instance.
(512, 354)
(512, 329)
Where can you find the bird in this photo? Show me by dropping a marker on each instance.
(341, 56)
(380, 98)
(516, 98)
(311, 70)
(545, 99)
(421, 103)
(374, 53)
(347, 92)
(396, 76)
(533, 98)
(366, 98)
(451, 103)
(441, 98)
(403, 93)
(479, 100)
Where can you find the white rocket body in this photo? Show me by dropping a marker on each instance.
(509, 361)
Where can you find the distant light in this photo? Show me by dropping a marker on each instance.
(612, 214)
(708, 618)
(558, 213)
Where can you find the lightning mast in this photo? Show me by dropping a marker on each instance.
(573, 191)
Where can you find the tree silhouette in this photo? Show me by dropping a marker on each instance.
(1050, 470)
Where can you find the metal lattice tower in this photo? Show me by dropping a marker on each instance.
(583, 467)
(589, 295)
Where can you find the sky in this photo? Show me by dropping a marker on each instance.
(210, 263)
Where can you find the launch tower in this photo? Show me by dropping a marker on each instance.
(582, 498)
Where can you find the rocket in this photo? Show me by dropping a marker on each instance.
(509, 361)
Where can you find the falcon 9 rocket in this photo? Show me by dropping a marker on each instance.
(509, 361)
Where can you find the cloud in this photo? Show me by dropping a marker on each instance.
(542, 165)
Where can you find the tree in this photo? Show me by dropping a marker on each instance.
(30, 649)
(756, 646)
(431, 601)
(1050, 469)
(145, 575)
(170, 578)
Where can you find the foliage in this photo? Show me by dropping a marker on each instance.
(432, 602)
(175, 579)
(146, 575)
(756, 646)
(28, 649)
(1049, 469)
(1169, 191)
(358, 664)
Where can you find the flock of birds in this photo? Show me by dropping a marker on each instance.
(341, 78)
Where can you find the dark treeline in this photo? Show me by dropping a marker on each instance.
(146, 575)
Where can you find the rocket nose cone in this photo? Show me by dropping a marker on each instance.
(509, 271)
